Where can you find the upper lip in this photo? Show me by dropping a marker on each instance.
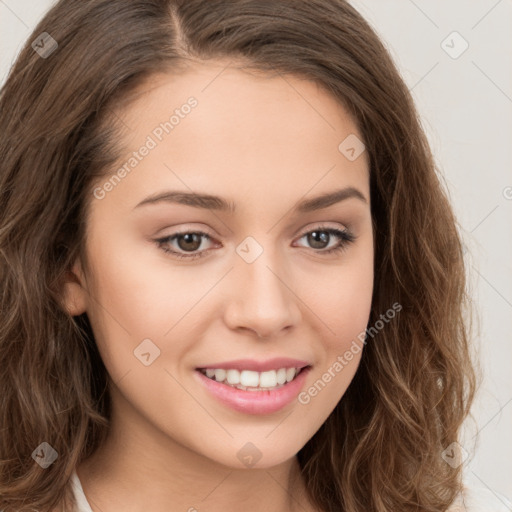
(257, 366)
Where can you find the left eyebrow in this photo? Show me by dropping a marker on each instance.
(208, 201)
(325, 200)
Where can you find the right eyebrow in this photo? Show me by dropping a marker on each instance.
(325, 200)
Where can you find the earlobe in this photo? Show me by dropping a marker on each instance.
(73, 293)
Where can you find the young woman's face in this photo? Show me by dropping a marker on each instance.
(259, 284)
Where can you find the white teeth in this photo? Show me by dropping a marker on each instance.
(268, 379)
(233, 376)
(281, 375)
(250, 380)
(220, 375)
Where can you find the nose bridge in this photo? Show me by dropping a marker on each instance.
(262, 300)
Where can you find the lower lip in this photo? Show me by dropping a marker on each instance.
(255, 402)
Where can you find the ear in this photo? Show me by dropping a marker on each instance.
(73, 291)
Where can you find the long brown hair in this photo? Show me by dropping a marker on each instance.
(380, 449)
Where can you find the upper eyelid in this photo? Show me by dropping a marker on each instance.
(302, 232)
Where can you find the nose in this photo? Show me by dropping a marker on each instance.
(262, 298)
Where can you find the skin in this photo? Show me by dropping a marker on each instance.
(264, 143)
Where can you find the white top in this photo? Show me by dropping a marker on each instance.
(82, 503)
(472, 500)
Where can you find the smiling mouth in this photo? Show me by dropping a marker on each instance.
(248, 380)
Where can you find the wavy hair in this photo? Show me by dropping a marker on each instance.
(380, 449)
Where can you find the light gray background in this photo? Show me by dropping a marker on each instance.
(466, 106)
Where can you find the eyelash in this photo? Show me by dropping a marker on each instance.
(345, 236)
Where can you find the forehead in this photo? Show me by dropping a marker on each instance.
(247, 132)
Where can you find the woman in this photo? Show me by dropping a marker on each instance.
(231, 277)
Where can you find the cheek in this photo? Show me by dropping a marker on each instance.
(343, 309)
(344, 303)
(137, 296)
(136, 288)
(340, 335)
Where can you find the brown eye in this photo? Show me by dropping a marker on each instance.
(185, 242)
(189, 241)
(320, 237)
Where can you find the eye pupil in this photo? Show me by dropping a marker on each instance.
(190, 238)
(318, 236)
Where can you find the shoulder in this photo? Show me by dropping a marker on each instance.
(480, 500)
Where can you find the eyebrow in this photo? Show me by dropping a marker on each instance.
(212, 202)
